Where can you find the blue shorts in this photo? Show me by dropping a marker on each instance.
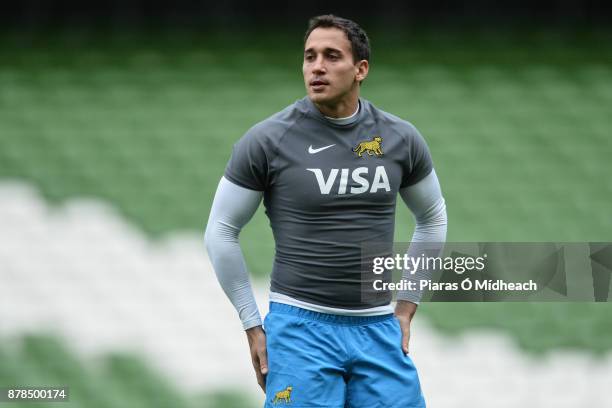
(332, 361)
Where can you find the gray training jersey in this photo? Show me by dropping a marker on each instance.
(328, 188)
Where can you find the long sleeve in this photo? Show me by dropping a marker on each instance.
(232, 208)
(429, 209)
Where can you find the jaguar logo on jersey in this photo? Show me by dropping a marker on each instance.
(359, 176)
(283, 396)
(370, 147)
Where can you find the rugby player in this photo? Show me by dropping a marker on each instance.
(329, 168)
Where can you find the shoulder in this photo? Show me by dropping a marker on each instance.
(250, 165)
(394, 123)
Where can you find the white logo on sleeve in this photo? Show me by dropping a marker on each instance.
(358, 175)
(320, 149)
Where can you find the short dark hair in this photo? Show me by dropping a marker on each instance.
(360, 44)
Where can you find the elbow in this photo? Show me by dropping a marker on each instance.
(209, 238)
(218, 233)
(435, 215)
(206, 239)
(434, 222)
(441, 217)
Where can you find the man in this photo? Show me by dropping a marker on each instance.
(329, 168)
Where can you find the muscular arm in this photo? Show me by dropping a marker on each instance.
(427, 205)
(232, 208)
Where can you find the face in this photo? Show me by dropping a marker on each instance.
(330, 74)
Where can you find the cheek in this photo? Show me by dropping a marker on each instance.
(348, 76)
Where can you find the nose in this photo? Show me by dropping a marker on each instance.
(318, 65)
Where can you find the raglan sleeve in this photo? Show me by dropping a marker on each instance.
(249, 164)
(418, 162)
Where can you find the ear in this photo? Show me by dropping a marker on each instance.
(363, 67)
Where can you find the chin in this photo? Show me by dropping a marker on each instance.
(321, 98)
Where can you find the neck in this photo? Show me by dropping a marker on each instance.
(341, 109)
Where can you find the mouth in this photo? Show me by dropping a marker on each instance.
(317, 84)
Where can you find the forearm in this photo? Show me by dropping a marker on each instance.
(232, 208)
(230, 269)
(429, 209)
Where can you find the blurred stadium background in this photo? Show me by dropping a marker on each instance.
(115, 125)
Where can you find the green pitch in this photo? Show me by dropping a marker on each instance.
(111, 381)
(519, 135)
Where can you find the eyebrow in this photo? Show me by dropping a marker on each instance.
(326, 50)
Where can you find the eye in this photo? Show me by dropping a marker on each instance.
(308, 57)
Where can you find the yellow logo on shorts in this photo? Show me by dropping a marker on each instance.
(284, 396)
(369, 147)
